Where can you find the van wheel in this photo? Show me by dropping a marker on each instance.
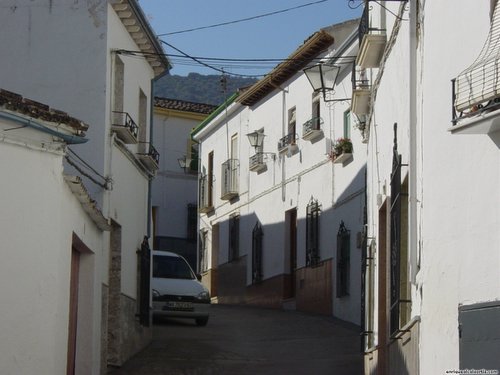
(201, 322)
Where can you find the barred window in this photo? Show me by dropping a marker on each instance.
(234, 238)
(400, 295)
(192, 221)
(343, 260)
(203, 252)
(257, 235)
(312, 232)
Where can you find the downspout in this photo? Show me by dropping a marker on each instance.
(412, 188)
(69, 139)
(151, 115)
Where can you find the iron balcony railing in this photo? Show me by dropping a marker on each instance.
(359, 79)
(124, 121)
(149, 155)
(205, 204)
(312, 124)
(256, 161)
(286, 141)
(230, 179)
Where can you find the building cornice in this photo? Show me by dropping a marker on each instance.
(137, 25)
(298, 60)
(180, 114)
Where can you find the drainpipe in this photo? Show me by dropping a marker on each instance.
(29, 122)
(412, 188)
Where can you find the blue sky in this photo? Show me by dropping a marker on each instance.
(271, 37)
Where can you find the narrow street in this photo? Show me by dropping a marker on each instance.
(246, 340)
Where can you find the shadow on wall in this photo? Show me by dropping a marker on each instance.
(283, 259)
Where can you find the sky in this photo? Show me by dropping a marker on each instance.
(268, 37)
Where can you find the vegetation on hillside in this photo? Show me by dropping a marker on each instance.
(199, 88)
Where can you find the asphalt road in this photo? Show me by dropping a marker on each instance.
(250, 341)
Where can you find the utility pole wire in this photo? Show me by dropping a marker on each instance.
(244, 19)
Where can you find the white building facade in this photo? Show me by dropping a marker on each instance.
(51, 243)
(89, 58)
(432, 280)
(175, 187)
(281, 222)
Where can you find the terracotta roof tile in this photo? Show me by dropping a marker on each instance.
(16, 103)
(182, 105)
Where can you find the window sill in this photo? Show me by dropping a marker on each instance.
(342, 158)
(484, 123)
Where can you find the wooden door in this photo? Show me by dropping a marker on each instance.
(73, 311)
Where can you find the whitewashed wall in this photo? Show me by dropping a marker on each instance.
(173, 189)
(290, 182)
(461, 179)
(39, 217)
(457, 176)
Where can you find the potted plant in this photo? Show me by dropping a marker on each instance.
(342, 146)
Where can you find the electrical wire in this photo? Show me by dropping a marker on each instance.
(244, 19)
(207, 65)
(72, 163)
(221, 64)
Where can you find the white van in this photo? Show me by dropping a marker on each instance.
(176, 289)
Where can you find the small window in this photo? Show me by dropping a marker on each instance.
(312, 233)
(234, 238)
(347, 124)
(292, 124)
(203, 253)
(192, 221)
(343, 260)
(257, 235)
(316, 114)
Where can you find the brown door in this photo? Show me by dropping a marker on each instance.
(73, 311)
(291, 222)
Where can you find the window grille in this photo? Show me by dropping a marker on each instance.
(312, 233)
(203, 261)
(192, 221)
(206, 189)
(478, 86)
(230, 179)
(234, 238)
(343, 260)
(144, 255)
(257, 235)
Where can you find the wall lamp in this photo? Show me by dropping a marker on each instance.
(256, 139)
(184, 163)
(322, 77)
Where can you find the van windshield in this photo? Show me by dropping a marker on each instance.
(168, 267)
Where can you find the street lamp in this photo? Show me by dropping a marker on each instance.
(322, 77)
(184, 163)
(256, 139)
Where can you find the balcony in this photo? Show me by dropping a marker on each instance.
(149, 157)
(125, 128)
(372, 43)
(256, 163)
(230, 179)
(476, 100)
(287, 144)
(361, 92)
(206, 188)
(311, 129)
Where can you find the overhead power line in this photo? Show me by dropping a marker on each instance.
(244, 19)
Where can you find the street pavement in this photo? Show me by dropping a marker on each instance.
(245, 340)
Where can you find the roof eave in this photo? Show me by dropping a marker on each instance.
(298, 60)
(137, 25)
